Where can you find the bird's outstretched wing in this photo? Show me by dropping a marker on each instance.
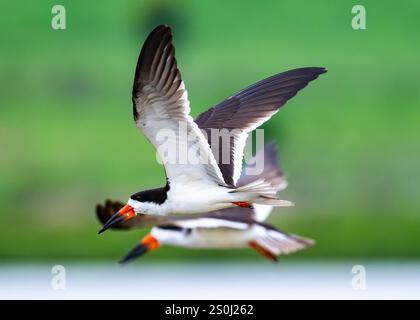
(161, 111)
(246, 111)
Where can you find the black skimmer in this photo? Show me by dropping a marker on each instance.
(161, 110)
(226, 228)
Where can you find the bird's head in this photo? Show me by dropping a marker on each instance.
(169, 233)
(125, 213)
(148, 243)
(133, 208)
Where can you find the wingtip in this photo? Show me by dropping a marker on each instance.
(161, 31)
(162, 28)
(320, 70)
(164, 25)
(307, 242)
(310, 70)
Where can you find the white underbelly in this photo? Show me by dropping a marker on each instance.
(198, 197)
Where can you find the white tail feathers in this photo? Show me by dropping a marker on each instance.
(261, 191)
(278, 242)
(274, 202)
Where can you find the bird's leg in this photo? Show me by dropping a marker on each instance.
(243, 204)
(261, 250)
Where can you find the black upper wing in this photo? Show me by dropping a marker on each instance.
(248, 109)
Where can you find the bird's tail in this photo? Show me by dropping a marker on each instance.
(263, 187)
(272, 242)
(260, 191)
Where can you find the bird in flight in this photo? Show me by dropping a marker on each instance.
(220, 229)
(213, 144)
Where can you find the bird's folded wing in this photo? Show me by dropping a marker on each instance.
(264, 165)
(247, 110)
(210, 222)
(161, 111)
(267, 159)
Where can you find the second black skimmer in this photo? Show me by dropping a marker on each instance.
(223, 233)
(207, 180)
(226, 228)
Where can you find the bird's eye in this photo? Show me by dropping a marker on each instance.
(136, 197)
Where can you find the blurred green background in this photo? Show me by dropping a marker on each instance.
(349, 142)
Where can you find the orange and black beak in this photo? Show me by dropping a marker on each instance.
(125, 213)
(148, 243)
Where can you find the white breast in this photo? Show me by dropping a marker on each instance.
(186, 196)
(206, 237)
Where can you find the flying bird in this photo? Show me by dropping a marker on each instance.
(160, 103)
(226, 228)
(222, 232)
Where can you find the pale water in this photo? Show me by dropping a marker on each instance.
(285, 280)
